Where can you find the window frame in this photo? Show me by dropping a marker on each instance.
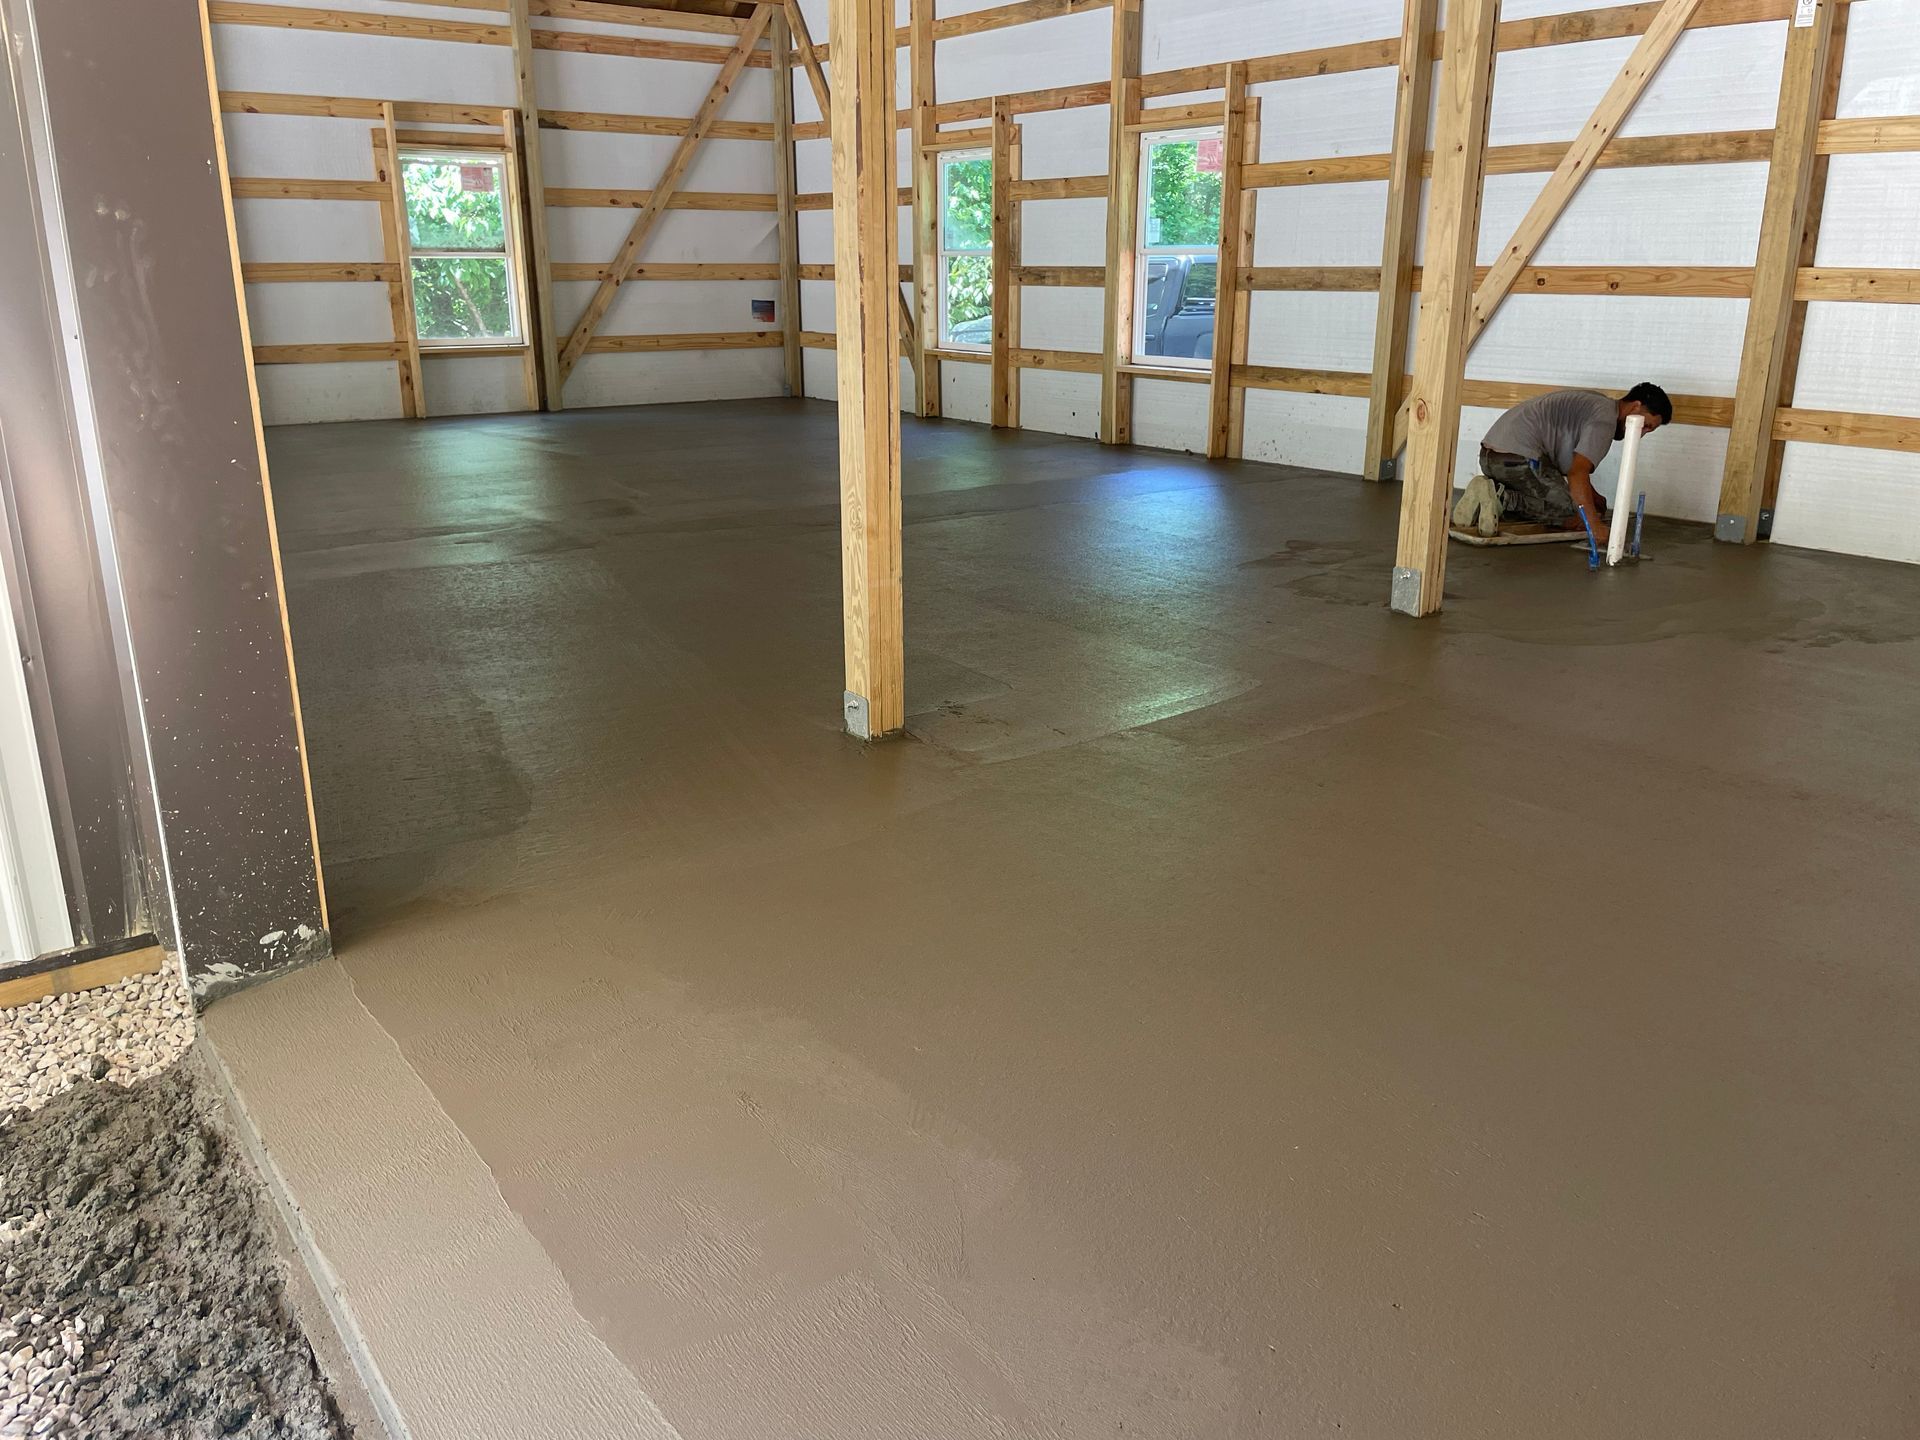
(502, 162)
(943, 251)
(1143, 252)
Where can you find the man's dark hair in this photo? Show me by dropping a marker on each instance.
(1654, 398)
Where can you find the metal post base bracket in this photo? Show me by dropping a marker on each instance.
(1731, 528)
(1405, 596)
(859, 723)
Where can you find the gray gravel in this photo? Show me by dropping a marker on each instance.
(137, 1028)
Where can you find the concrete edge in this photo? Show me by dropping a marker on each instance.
(348, 1361)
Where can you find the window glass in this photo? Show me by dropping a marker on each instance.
(468, 298)
(1178, 263)
(966, 249)
(463, 275)
(1183, 192)
(455, 204)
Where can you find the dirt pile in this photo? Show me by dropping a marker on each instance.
(141, 1282)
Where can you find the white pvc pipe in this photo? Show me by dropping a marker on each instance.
(1627, 492)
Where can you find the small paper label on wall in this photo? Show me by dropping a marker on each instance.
(763, 311)
(1803, 12)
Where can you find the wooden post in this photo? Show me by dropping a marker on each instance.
(1783, 220)
(1402, 229)
(402, 255)
(1226, 288)
(1809, 248)
(1453, 224)
(926, 205)
(866, 272)
(788, 304)
(534, 205)
(1123, 203)
(1002, 380)
(516, 216)
(1015, 171)
(1243, 303)
(399, 285)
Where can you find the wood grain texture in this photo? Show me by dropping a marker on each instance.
(653, 17)
(707, 270)
(1228, 297)
(1123, 171)
(1783, 217)
(417, 139)
(1062, 187)
(924, 195)
(406, 320)
(585, 199)
(1400, 234)
(638, 48)
(787, 271)
(1886, 287)
(1835, 427)
(1001, 385)
(1076, 362)
(609, 123)
(701, 340)
(531, 276)
(866, 299)
(1354, 384)
(255, 187)
(328, 354)
(399, 282)
(346, 107)
(1090, 276)
(1873, 135)
(1465, 89)
(81, 975)
(1809, 251)
(280, 272)
(355, 22)
(539, 260)
(1241, 336)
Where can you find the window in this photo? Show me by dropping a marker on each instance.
(966, 249)
(1178, 269)
(466, 287)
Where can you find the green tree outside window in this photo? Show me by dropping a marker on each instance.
(1183, 201)
(966, 243)
(462, 268)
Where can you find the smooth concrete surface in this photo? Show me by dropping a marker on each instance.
(1215, 1020)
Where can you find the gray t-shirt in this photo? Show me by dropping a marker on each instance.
(1553, 426)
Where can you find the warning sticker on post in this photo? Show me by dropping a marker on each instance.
(1803, 13)
(1207, 159)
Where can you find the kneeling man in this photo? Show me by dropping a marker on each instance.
(1538, 459)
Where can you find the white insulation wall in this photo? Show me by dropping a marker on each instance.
(383, 67)
(1857, 357)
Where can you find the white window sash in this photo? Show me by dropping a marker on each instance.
(1143, 252)
(516, 300)
(947, 251)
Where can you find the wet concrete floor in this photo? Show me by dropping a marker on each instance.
(1233, 1011)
